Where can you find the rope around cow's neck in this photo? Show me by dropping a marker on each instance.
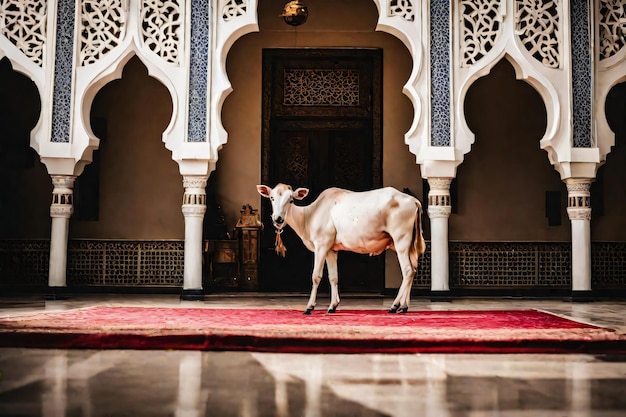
(279, 246)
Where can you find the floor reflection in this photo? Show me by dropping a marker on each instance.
(94, 383)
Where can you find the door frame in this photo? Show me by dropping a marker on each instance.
(375, 54)
(333, 117)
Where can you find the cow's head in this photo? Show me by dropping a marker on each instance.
(282, 197)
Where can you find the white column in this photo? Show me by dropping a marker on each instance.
(439, 210)
(61, 210)
(194, 207)
(579, 212)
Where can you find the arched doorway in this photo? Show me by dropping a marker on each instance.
(240, 164)
(510, 228)
(321, 129)
(25, 188)
(134, 237)
(22, 212)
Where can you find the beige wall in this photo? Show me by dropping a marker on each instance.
(611, 225)
(140, 186)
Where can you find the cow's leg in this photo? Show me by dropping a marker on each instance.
(401, 303)
(316, 277)
(333, 277)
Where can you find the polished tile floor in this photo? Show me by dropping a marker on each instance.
(63, 383)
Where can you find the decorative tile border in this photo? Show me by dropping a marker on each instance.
(160, 263)
(440, 72)
(63, 61)
(581, 72)
(200, 25)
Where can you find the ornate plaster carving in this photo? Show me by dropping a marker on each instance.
(233, 9)
(161, 28)
(481, 26)
(527, 33)
(612, 27)
(402, 8)
(23, 23)
(113, 31)
(103, 26)
(537, 25)
(194, 182)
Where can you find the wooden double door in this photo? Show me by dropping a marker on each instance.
(321, 129)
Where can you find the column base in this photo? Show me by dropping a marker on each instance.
(192, 295)
(56, 293)
(441, 296)
(582, 296)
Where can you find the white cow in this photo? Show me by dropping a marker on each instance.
(366, 222)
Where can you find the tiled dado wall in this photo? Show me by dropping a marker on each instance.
(499, 265)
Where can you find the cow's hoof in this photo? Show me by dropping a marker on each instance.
(308, 311)
(394, 308)
(332, 309)
(402, 310)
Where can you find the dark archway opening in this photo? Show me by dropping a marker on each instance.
(21, 211)
(511, 231)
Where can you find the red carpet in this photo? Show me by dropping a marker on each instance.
(273, 330)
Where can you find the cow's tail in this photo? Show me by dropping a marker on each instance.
(418, 245)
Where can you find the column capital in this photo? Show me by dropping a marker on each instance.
(194, 198)
(578, 198)
(195, 181)
(579, 213)
(439, 197)
(62, 196)
(194, 210)
(63, 181)
(578, 185)
(439, 211)
(61, 210)
(439, 183)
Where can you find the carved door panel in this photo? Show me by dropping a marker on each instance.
(317, 146)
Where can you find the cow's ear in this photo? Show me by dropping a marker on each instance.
(300, 193)
(264, 190)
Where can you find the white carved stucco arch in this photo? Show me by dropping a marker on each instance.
(42, 75)
(226, 29)
(605, 137)
(552, 83)
(91, 77)
(411, 28)
(414, 34)
(610, 71)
